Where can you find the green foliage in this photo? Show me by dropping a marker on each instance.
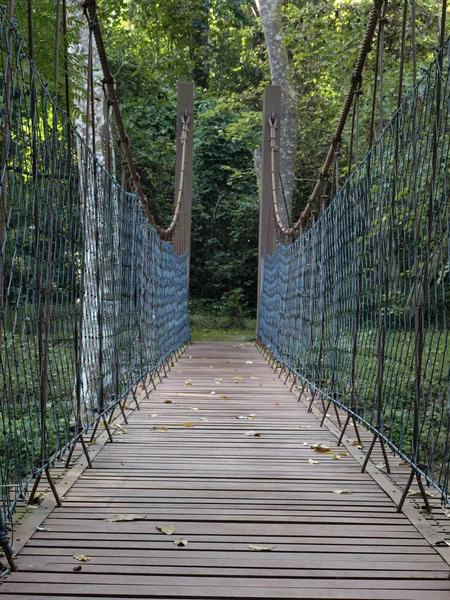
(220, 45)
(225, 211)
(43, 42)
(323, 39)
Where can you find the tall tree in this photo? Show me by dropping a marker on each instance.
(270, 13)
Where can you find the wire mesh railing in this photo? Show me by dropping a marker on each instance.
(359, 305)
(92, 300)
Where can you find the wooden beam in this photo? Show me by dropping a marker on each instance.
(267, 239)
(185, 104)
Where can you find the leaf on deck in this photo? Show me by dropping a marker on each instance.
(167, 529)
(322, 449)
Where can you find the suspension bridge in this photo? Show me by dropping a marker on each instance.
(136, 465)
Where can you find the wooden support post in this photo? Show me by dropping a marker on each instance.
(267, 239)
(182, 240)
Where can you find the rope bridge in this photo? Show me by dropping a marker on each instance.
(353, 299)
(93, 298)
(355, 302)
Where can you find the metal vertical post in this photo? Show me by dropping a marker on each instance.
(185, 106)
(271, 108)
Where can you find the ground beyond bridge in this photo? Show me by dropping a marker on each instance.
(224, 491)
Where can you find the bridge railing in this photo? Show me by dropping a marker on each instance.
(93, 303)
(358, 307)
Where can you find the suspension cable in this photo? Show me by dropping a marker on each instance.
(90, 9)
(293, 232)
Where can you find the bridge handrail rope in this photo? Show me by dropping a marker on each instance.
(356, 309)
(90, 7)
(94, 301)
(291, 232)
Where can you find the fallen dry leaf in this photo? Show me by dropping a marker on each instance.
(246, 418)
(161, 429)
(322, 449)
(188, 424)
(418, 493)
(116, 518)
(93, 443)
(276, 404)
(213, 394)
(261, 548)
(313, 462)
(224, 397)
(193, 408)
(305, 426)
(343, 492)
(343, 453)
(187, 384)
(354, 443)
(238, 377)
(203, 419)
(248, 362)
(77, 568)
(153, 415)
(167, 529)
(167, 401)
(180, 542)
(82, 557)
(253, 433)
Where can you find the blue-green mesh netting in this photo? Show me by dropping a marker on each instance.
(117, 303)
(359, 305)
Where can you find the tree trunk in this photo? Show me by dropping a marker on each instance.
(96, 372)
(270, 13)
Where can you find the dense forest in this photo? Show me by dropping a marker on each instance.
(221, 45)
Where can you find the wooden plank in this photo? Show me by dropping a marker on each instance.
(224, 491)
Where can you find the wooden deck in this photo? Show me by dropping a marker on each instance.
(224, 491)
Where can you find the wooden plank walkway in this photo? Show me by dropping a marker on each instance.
(224, 491)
